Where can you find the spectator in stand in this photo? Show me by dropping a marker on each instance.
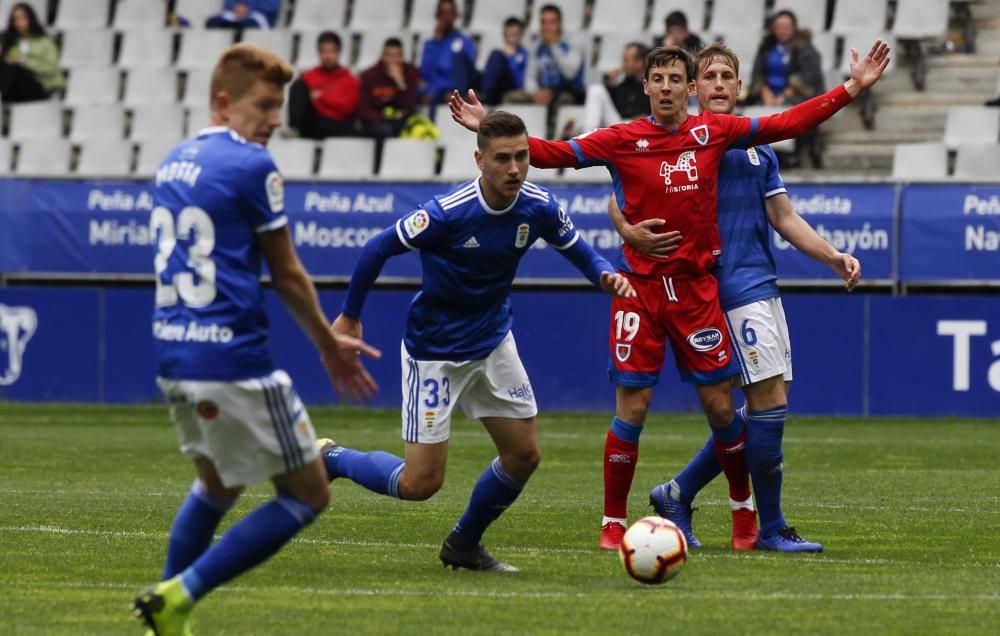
(322, 102)
(786, 70)
(555, 66)
(246, 14)
(29, 58)
(677, 34)
(621, 96)
(388, 93)
(449, 58)
(506, 66)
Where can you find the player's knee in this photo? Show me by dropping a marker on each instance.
(221, 492)
(317, 496)
(420, 489)
(521, 463)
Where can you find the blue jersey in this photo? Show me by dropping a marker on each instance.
(211, 196)
(470, 254)
(746, 270)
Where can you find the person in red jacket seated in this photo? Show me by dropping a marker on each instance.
(322, 102)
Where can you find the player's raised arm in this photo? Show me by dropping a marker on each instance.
(794, 229)
(809, 114)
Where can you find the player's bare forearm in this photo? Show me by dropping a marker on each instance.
(794, 229)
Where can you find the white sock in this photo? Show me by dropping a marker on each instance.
(741, 505)
(607, 520)
(675, 491)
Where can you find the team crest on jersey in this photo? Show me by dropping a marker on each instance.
(642, 145)
(705, 339)
(275, 187)
(687, 163)
(416, 223)
(522, 235)
(700, 134)
(622, 351)
(754, 157)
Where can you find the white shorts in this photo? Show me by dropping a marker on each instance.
(251, 430)
(496, 386)
(760, 333)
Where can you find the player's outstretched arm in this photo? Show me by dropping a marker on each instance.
(794, 229)
(596, 268)
(642, 236)
(340, 354)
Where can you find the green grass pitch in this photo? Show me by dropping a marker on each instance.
(908, 511)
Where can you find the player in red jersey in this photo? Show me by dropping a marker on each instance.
(666, 167)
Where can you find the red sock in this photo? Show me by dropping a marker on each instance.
(620, 458)
(733, 458)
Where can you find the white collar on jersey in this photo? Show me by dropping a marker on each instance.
(486, 206)
(214, 130)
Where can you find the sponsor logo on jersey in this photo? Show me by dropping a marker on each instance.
(416, 223)
(754, 157)
(522, 235)
(471, 243)
(275, 187)
(687, 164)
(705, 339)
(700, 134)
(522, 392)
(17, 325)
(642, 145)
(207, 410)
(622, 351)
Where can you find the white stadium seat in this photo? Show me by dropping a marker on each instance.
(490, 16)
(569, 121)
(197, 11)
(139, 14)
(98, 121)
(151, 121)
(920, 161)
(6, 156)
(423, 18)
(146, 48)
(294, 157)
(346, 158)
(201, 49)
(74, 14)
(733, 15)
(151, 155)
(378, 14)
(534, 116)
(35, 120)
(198, 117)
(459, 158)
(43, 158)
(407, 159)
(92, 85)
(278, 41)
(971, 125)
(317, 15)
(197, 84)
(87, 48)
(572, 15)
(693, 10)
(850, 16)
(618, 16)
(977, 161)
(809, 14)
(487, 42)
(744, 43)
(105, 158)
(916, 19)
(826, 43)
(150, 86)
(613, 48)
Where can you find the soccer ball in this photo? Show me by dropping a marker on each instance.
(653, 550)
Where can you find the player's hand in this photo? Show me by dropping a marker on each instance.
(868, 70)
(642, 237)
(342, 360)
(617, 285)
(848, 268)
(467, 113)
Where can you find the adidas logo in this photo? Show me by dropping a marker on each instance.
(620, 459)
(472, 242)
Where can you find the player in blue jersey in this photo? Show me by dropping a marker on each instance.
(752, 197)
(219, 208)
(458, 350)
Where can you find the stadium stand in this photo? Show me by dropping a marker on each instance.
(809, 14)
(87, 86)
(408, 159)
(98, 121)
(573, 15)
(382, 15)
(196, 88)
(43, 158)
(694, 11)
(370, 44)
(730, 16)
(146, 48)
(534, 116)
(347, 158)
(82, 15)
(150, 86)
(35, 120)
(195, 12)
(912, 162)
(971, 125)
(200, 49)
(278, 40)
(152, 121)
(618, 16)
(139, 14)
(569, 121)
(6, 157)
(612, 47)
(150, 154)
(82, 49)
(310, 16)
(422, 15)
(105, 158)
(977, 161)
(862, 41)
(198, 117)
(294, 157)
(852, 16)
(916, 19)
(459, 158)
(490, 16)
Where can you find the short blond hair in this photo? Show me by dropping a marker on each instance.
(243, 63)
(716, 51)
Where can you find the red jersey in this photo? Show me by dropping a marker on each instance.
(660, 173)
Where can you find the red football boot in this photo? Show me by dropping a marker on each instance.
(611, 535)
(744, 529)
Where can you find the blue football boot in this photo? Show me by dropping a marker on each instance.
(672, 510)
(787, 540)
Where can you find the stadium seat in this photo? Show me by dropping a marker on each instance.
(197, 11)
(150, 121)
(201, 49)
(572, 15)
(977, 161)
(490, 16)
(139, 14)
(535, 117)
(971, 125)
(850, 16)
(487, 41)
(744, 43)
(105, 158)
(151, 154)
(99, 121)
(459, 158)
(43, 158)
(826, 43)
(92, 85)
(787, 145)
(916, 19)
(198, 117)
(347, 158)
(809, 14)
(196, 87)
(277, 40)
(150, 86)
(146, 48)
(613, 48)
(315, 15)
(307, 55)
(87, 48)
(862, 41)
(422, 16)
(386, 15)
(6, 157)
(35, 120)
(294, 157)
(733, 15)
(82, 15)
(694, 11)
(407, 159)
(920, 161)
(595, 174)
(371, 44)
(569, 121)
(618, 16)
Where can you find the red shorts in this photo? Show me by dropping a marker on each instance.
(683, 310)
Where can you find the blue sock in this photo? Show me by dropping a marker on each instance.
(764, 459)
(193, 528)
(247, 544)
(494, 492)
(625, 431)
(730, 432)
(377, 471)
(702, 469)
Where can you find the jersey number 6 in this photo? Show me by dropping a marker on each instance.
(182, 284)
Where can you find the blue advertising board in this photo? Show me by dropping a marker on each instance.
(950, 232)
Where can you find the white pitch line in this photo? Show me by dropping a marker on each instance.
(696, 555)
(675, 590)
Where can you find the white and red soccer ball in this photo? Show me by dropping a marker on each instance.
(653, 550)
